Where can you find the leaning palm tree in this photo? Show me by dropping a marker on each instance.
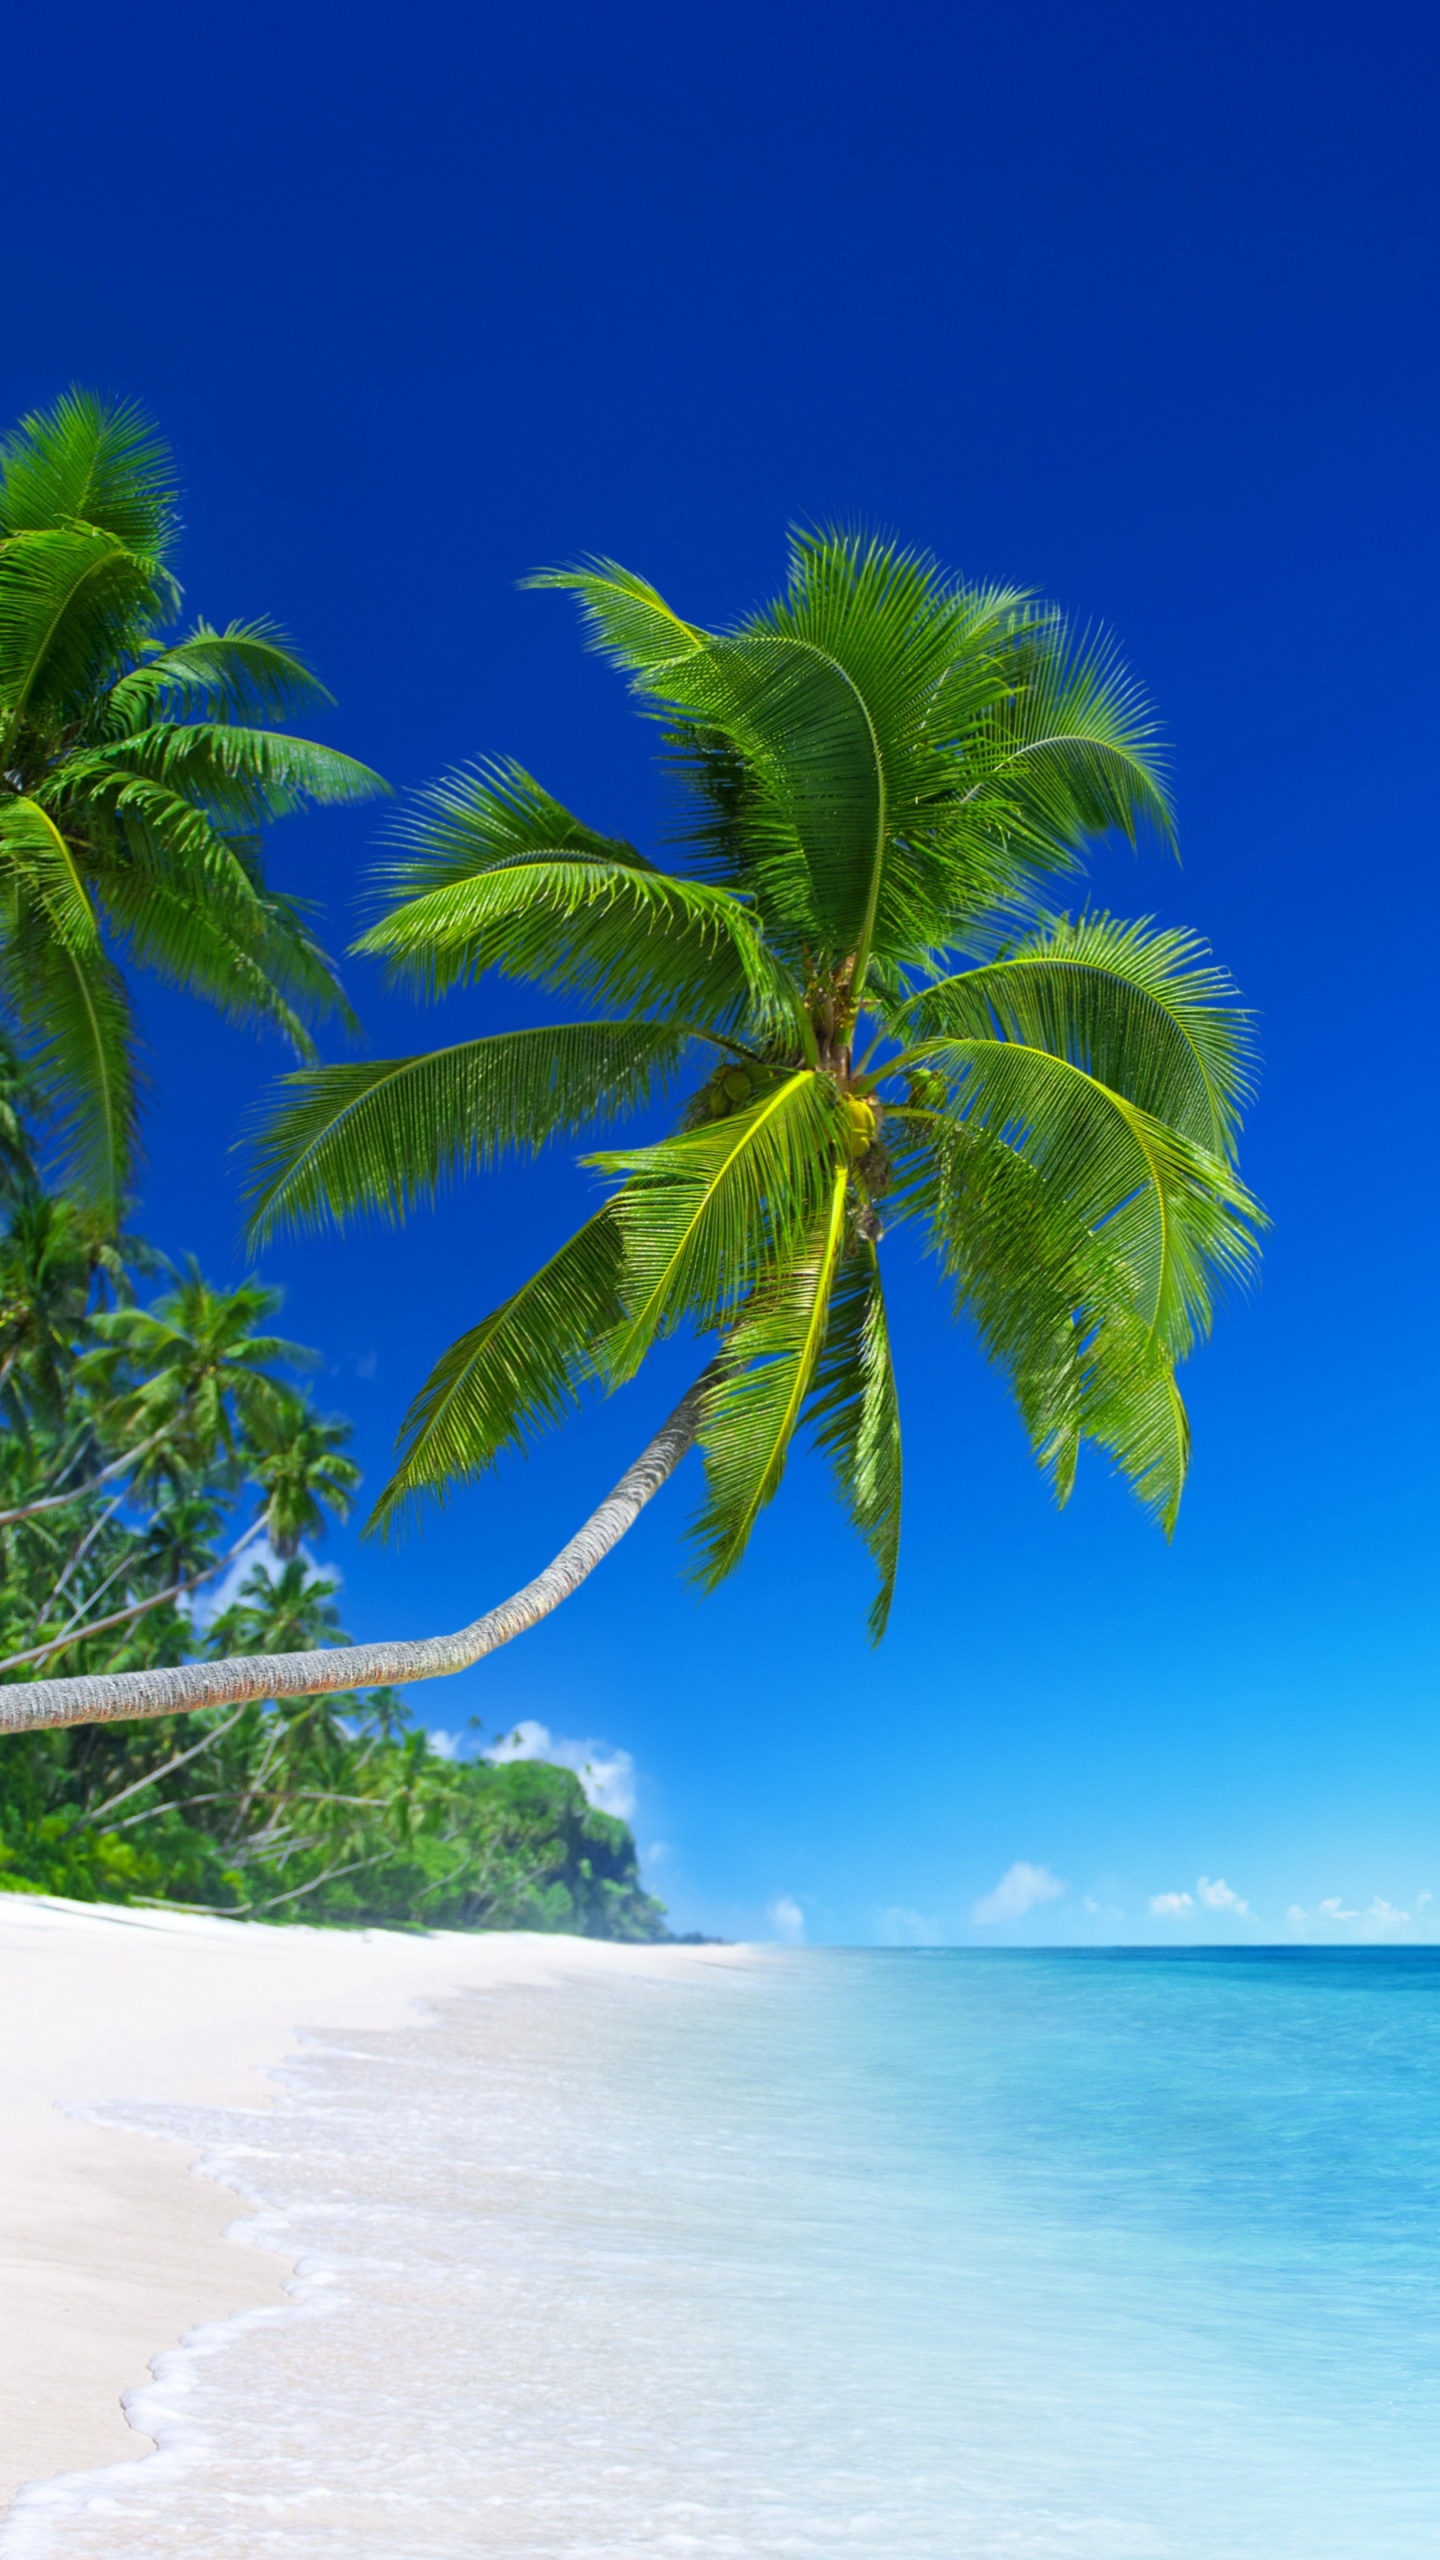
(856, 983)
(136, 776)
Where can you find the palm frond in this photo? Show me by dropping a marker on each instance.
(754, 1403)
(246, 672)
(488, 816)
(385, 1133)
(616, 935)
(69, 603)
(242, 965)
(1055, 1306)
(243, 777)
(69, 1001)
(1141, 1010)
(625, 619)
(89, 461)
(518, 1371)
(1174, 1211)
(1073, 752)
(709, 1216)
(856, 1414)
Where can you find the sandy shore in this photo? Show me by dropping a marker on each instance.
(111, 2250)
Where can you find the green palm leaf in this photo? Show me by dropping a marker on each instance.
(70, 1004)
(135, 778)
(1055, 1307)
(68, 602)
(1172, 1211)
(1072, 752)
(247, 672)
(1136, 1008)
(385, 1133)
(88, 462)
(242, 777)
(708, 1216)
(856, 1414)
(754, 1404)
(519, 1370)
(608, 932)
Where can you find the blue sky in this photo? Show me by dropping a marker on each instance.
(1135, 305)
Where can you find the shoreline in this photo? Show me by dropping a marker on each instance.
(113, 2249)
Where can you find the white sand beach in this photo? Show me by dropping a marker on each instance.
(111, 2250)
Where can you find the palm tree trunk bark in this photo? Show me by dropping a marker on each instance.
(113, 1697)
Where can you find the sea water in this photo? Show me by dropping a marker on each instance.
(867, 2256)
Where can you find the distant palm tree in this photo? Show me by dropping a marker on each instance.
(297, 1458)
(136, 776)
(882, 1023)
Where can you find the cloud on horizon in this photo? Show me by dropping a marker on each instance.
(786, 1918)
(1019, 1890)
(1208, 1895)
(1379, 1921)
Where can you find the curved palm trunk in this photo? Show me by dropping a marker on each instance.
(111, 1697)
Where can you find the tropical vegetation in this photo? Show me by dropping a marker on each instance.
(855, 985)
(151, 1456)
(855, 993)
(138, 768)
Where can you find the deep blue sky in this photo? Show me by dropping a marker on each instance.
(1137, 305)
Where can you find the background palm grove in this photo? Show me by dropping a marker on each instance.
(138, 1437)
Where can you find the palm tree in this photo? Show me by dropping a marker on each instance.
(136, 775)
(186, 1385)
(189, 1377)
(297, 1458)
(875, 1017)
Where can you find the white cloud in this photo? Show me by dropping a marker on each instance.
(208, 1602)
(444, 1745)
(786, 1918)
(1019, 1890)
(1220, 1897)
(1209, 1895)
(1378, 1921)
(608, 1777)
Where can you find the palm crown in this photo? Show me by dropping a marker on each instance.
(872, 1018)
(135, 777)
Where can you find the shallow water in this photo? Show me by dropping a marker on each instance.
(871, 2256)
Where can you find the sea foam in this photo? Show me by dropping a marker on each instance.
(872, 2256)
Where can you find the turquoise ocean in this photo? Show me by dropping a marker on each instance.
(866, 2256)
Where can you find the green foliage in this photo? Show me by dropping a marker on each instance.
(315, 1816)
(135, 1440)
(135, 781)
(877, 1020)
